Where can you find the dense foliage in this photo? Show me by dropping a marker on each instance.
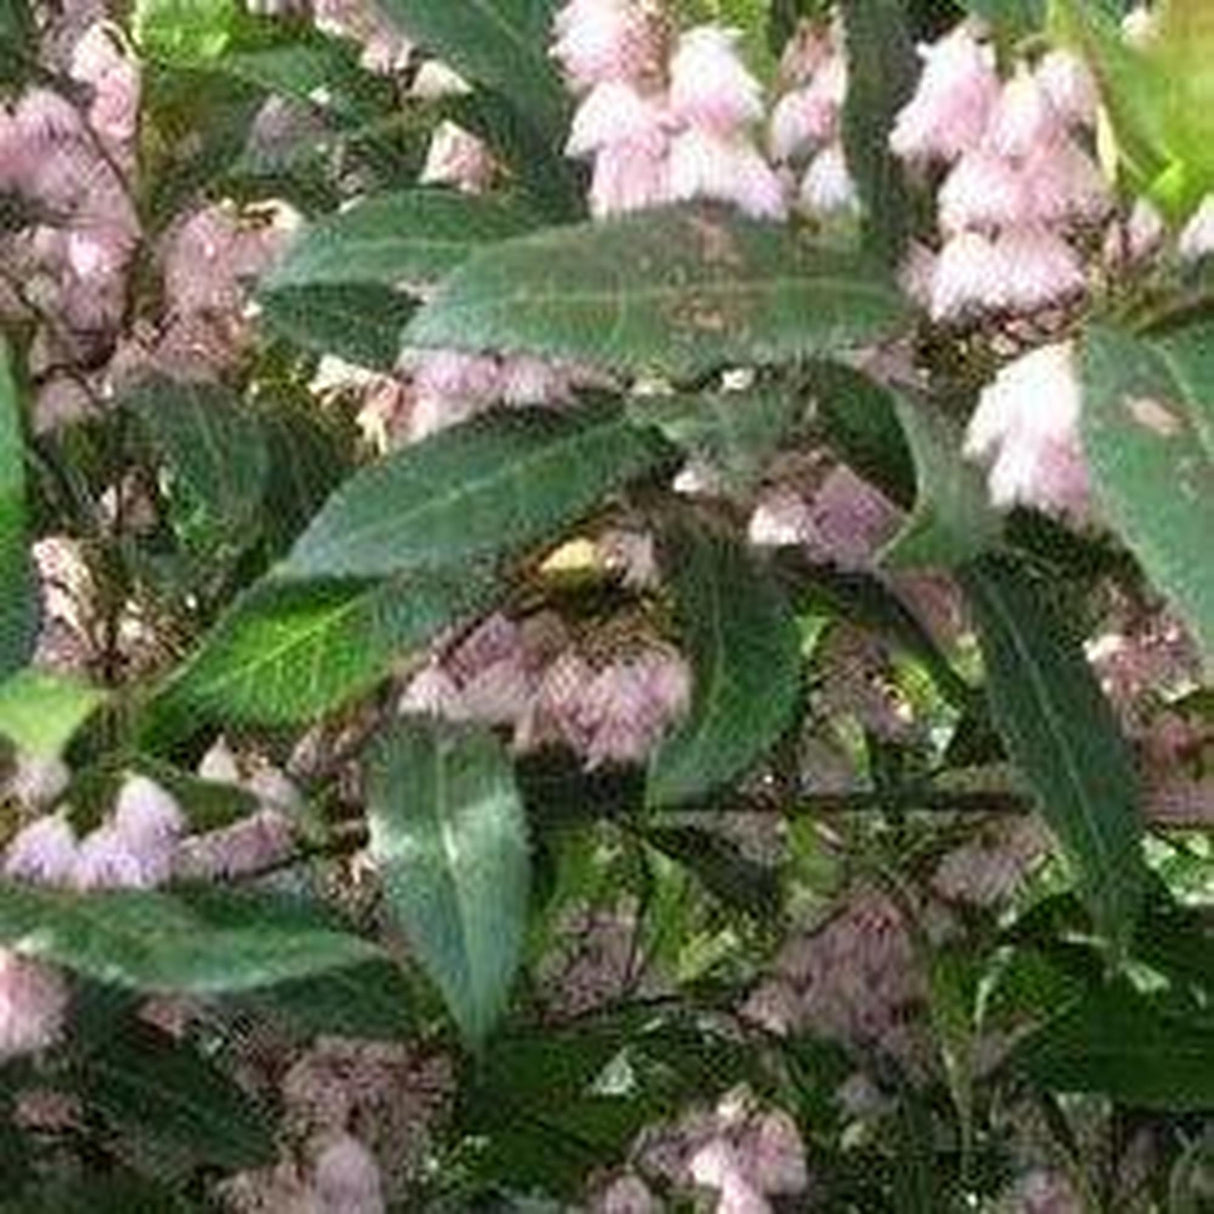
(604, 605)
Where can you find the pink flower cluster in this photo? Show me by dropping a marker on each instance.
(662, 128)
(805, 124)
(533, 679)
(1020, 179)
(1026, 426)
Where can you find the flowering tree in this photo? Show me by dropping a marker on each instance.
(604, 605)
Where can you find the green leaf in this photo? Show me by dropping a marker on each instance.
(18, 41)
(184, 30)
(1014, 18)
(682, 290)
(212, 442)
(208, 804)
(482, 490)
(721, 867)
(952, 520)
(184, 943)
(360, 322)
(289, 651)
(40, 711)
(172, 1101)
(18, 604)
(736, 432)
(500, 43)
(1146, 424)
(742, 640)
(449, 837)
(1063, 738)
(1115, 1042)
(414, 237)
(882, 69)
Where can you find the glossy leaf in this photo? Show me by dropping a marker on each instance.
(741, 638)
(290, 651)
(681, 291)
(882, 69)
(737, 433)
(1115, 1042)
(211, 441)
(450, 840)
(360, 322)
(1146, 425)
(40, 711)
(1064, 740)
(18, 603)
(500, 43)
(181, 943)
(478, 491)
(173, 1101)
(952, 519)
(413, 237)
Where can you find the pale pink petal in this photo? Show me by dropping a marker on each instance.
(33, 1005)
(970, 277)
(726, 170)
(1024, 120)
(615, 112)
(458, 158)
(1039, 269)
(627, 178)
(827, 187)
(984, 191)
(709, 85)
(1197, 236)
(43, 852)
(1070, 87)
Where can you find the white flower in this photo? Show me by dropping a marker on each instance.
(1069, 85)
(952, 102)
(1026, 426)
(600, 40)
(458, 158)
(781, 519)
(145, 813)
(1197, 236)
(219, 764)
(716, 1166)
(629, 177)
(43, 852)
(704, 165)
(274, 789)
(1039, 269)
(709, 85)
(1064, 184)
(983, 191)
(431, 692)
(827, 187)
(1128, 242)
(1024, 120)
(614, 112)
(108, 859)
(435, 79)
(33, 1000)
(969, 277)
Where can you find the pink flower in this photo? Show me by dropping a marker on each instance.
(952, 102)
(526, 380)
(1128, 241)
(802, 120)
(108, 859)
(627, 178)
(983, 191)
(704, 165)
(33, 1002)
(827, 187)
(248, 846)
(969, 277)
(43, 852)
(630, 704)
(219, 764)
(457, 158)
(599, 40)
(1197, 236)
(916, 273)
(348, 1179)
(145, 814)
(431, 692)
(500, 694)
(37, 779)
(716, 1165)
(1040, 269)
(709, 85)
(495, 639)
(452, 373)
(1065, 184)
(615, 113)
(849, 520)
(1066, 81)
(1024, 120)
(114, 111)
(1026, 427)
(781, 519)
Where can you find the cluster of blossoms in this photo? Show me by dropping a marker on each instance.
(662, 127)
(533, 679)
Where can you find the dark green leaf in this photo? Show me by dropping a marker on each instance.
(882, 68)
(360, 322)
(1115, 1042)
(1013, 17)
(18, 40)
(211, 441)
(952, 519)
(414, 237)
(736, 432)
(170, 1099)
(681, 290)
(208, 804)
(722, 869)
(862, 426)
(449, 837)
(1147, 425)
(289, 651)
(482, 490)
(18, 604)
(500, 43)
(744, 649)
(1064, 739)
(180, 942)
